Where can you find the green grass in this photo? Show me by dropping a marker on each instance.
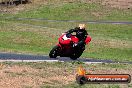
(109, 54)
(109, 41)
(19, 40)
(111, 31)
(78, 11)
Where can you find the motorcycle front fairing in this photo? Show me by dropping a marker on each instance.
(66, 46)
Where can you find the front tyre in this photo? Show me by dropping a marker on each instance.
(54, 52)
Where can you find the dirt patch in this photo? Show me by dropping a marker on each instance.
(97, 14)
(21, 40)
(14, 9)
(121, 4)
(20, 76)
(113, 43)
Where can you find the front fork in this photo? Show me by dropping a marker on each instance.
(59, 49)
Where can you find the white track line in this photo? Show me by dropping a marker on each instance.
(43, 61)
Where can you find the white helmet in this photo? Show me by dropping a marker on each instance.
(82, 26)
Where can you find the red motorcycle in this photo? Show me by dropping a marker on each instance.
(65, 47)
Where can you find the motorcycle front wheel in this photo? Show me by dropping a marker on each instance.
(54, 52)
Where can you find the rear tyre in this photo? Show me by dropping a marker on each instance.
(78, 50)
(73, 57)
(76, 55)
(54, 52)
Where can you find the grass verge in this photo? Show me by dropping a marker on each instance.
(108, 41)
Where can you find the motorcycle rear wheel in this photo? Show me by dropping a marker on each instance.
(76, 55)
(73, 57)
(54, 52)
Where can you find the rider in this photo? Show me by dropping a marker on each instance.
(81, 34)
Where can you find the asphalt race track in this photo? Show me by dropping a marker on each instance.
(37, 58)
